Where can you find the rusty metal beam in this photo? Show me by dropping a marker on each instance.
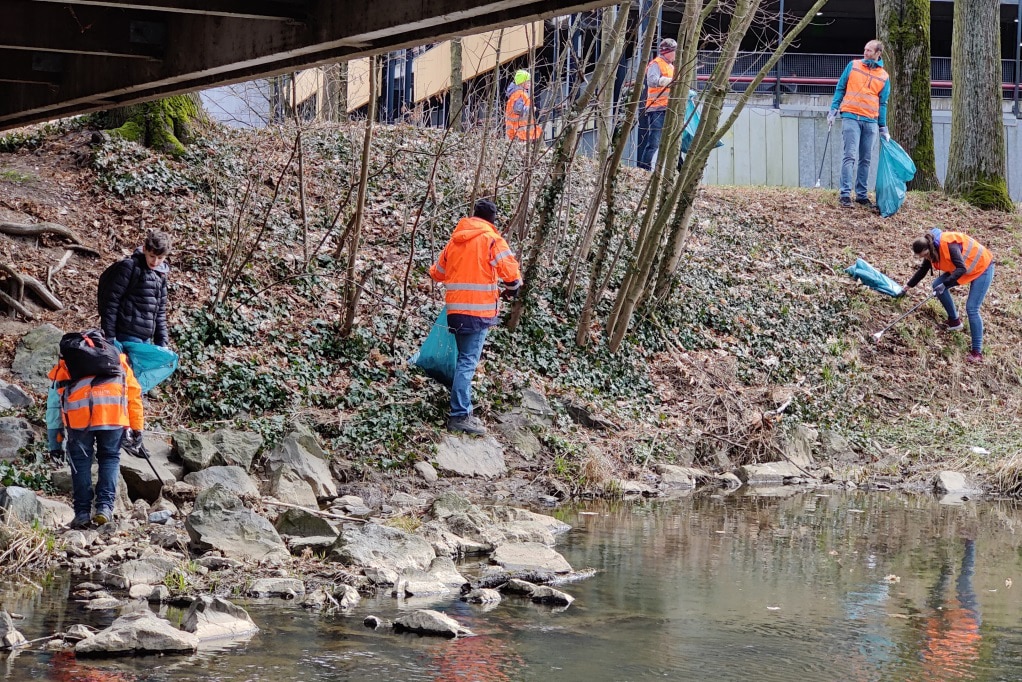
(201, 51)
(276, 10)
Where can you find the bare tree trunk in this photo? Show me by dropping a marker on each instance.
(903, 26)
(611, 45)
(977, 171)
(336, 104)
(457, 87)
(351, 286)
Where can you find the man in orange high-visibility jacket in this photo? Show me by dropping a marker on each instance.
(659, 77)
(861, 101)
(96, 413)
(472, 265)
(519, 117)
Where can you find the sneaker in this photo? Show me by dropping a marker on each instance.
(844, 202)
(954, 325)
(466, 424)
(81, 520)
(974, 357)
(102, 516)
(864, 201)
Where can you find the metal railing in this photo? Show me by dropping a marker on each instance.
(818, 74)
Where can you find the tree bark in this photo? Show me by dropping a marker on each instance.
(977, 170)
(457, 87)
(903, 26)
(164, 124)
(336, 104)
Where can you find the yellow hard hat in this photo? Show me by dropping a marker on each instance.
(521, 76)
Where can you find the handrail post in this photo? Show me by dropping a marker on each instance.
(1018, 48)
(777, 66)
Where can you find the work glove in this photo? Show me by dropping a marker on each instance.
(939, 288)
(509, 294)
(131, 442)
(57, 457)
(831, 117)
(885, 133)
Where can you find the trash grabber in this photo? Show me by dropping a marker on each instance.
(826, 142)
(876, 337)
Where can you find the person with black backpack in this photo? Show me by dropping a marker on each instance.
(95, 400)
(132, 294)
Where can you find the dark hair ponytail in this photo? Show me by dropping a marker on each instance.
(926, 247)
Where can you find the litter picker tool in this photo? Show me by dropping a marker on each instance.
(826, 142)
(876, 337)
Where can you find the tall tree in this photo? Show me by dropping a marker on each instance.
(164, 124)
(336, 105)
(903, 26)
(977, 169)
(457, 87)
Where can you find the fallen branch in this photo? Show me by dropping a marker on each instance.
(316, 512)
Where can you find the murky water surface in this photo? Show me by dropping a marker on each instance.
(809, 587)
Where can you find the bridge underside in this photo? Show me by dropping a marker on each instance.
(64, 57)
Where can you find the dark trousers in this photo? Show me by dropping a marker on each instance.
(651, 125)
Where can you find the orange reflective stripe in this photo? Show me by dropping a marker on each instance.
(657, 97)
(471, 279)
(862, 91)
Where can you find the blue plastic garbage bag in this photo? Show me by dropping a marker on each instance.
(692, 124)
(894, 169)
(873, 278)
(439, 352)
(151, 364)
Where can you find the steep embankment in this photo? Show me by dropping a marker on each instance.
(763, 331)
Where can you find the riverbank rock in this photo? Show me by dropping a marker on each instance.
(482, 595)
(151, 570)
(215, 618)
(769, 473)
(35, 355)
(12, 397)
(10, 638)
(468, 456)
(300, 450)
(288, 487)
(429, 622)
(285, 588)
(302, 524)
(221, 521)
(195, 450)
(530, 556)
(15, 434)
(142, 632)
(373, 546)
(955, 487)
(236, 448)
(19, 505)
(233, 478)
(544, 594)
(138, 474)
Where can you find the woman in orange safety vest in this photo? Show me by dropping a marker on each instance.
(960, 260)
(96, 413)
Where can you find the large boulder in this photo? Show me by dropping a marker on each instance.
(139, 476)
(530, 557)
(195, 449)
(142, 632)
(13, 397)
(215, 618)
(466, 456)
(429, 622)
(10, 638)
(15, 434)
(300, 523)
(373, 546)
(35, 355)
(236, 448)
(19, 505)
(287, 486)
(300, 450)
(234, 478)
(152, 570)
(221, 521)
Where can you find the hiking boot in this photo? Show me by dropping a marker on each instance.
(954, 325)
(974, 357)
(844, 202)
(466, 424)
(80, 520)
(864, 201)
(102, 516)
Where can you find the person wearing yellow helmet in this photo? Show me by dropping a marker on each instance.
(519, 119)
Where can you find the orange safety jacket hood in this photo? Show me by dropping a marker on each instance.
(520, 126)
(99, 402)
(656, 98)
(470, 266)
(862, 92)
(976, 256)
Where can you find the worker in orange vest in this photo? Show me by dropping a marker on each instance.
(97, 413)
(861, 101)
(519, 117)
(960, 260)
(472, 266)
(659, 77)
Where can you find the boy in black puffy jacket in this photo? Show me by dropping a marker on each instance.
(132, 294)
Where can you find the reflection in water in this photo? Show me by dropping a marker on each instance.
(704, 588)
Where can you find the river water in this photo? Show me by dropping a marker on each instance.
(813, 586)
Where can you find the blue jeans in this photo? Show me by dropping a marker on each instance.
(977, 292)
(649, 137)
(858, 138)
(107, 443)
(470, 348)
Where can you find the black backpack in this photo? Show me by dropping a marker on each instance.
(89, 354)
(103, 288)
